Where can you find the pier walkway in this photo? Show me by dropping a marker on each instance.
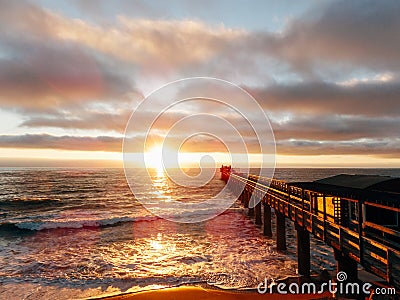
(362, 226)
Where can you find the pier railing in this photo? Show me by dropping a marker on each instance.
(334, 215)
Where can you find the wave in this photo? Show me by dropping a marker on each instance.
(92, 223)
(73, 224)
(30, 202)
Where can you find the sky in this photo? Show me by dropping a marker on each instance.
(326, 73)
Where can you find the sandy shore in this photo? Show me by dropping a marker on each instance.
(197, 293)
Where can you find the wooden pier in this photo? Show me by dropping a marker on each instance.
(344, 218)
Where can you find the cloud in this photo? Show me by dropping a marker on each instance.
(381, 148)
(54, 68)
(334, 40)
(84, 120)
(102, 120)
(46, 141)
(152, 44)
(340, 35)
(64, 73)
(344, 34)
(388, 148)
(49, 76)
(318, 97)
(42, 73)
(336, 128)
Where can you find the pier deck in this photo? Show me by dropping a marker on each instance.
(338, 216)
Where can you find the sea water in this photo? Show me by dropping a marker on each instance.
(75, 233)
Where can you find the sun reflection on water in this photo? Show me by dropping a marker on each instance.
(160, 172)
(161, 183)
(155, 245)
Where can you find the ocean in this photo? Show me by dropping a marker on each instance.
(76, 233)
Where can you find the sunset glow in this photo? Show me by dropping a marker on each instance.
(83, 78)
(153, 158)
(199, 149)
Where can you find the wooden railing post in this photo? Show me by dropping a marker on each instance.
(302, 206)
(324, 207)
(360, 230)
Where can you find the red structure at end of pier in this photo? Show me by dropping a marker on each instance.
(225, 172)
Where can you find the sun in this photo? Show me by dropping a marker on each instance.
(153, 158)
(172, 159)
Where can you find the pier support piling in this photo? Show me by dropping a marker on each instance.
(303, 251)
(242, 198)
(267, 220)
(246, 198)
(346, 264)
(258, 220)
(250, 213)
(280, 231)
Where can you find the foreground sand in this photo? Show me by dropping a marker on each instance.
(197, 293)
